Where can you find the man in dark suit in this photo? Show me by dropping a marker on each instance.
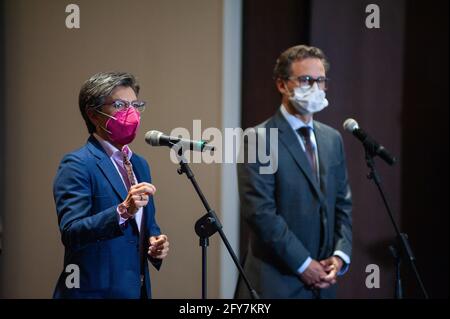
(103, 195)
(299, 214)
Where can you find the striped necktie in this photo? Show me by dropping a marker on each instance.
(129, 168)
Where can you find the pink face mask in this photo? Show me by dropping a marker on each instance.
(123, 126)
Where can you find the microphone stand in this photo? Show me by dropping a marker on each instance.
(402, 238)
(398, 279)
(207, 226)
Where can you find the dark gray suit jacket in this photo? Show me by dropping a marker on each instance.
(290, 214)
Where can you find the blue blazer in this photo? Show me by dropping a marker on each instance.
(87, 190)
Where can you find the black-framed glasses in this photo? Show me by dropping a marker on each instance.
(306, 81)
(121, 105)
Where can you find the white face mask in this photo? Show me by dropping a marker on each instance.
(308, 100)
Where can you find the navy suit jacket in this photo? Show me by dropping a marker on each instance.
(87, 190)
(291, 214)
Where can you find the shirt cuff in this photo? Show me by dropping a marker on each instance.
(121, 219)
(346, 260)
(304, 265)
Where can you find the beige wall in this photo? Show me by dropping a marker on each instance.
(174, 47)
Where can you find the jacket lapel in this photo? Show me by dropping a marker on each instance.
(107, 167)
(323, 153)
(141, 176)
(138, 169)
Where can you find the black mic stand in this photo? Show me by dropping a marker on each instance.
(398, 278)
(402, 238)
(207, 226)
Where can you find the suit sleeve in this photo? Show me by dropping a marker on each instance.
(78, 224)
(343, 208)
(259, 209)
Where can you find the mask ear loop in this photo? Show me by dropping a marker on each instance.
(289, 93)
(110, 116)
(107, 115)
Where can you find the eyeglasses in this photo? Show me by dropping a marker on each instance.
(306, 81)
(121, 104)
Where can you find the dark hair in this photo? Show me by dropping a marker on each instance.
(282, 69)
(95, 90)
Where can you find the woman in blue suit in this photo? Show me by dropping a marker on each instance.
(103, 196)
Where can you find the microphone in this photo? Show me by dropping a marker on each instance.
(156, 138)
(350, 125)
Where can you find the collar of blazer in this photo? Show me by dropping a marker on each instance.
(107, 167)
(287, 136)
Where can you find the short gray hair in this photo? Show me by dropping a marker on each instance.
(95, 90)
(282, 69)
